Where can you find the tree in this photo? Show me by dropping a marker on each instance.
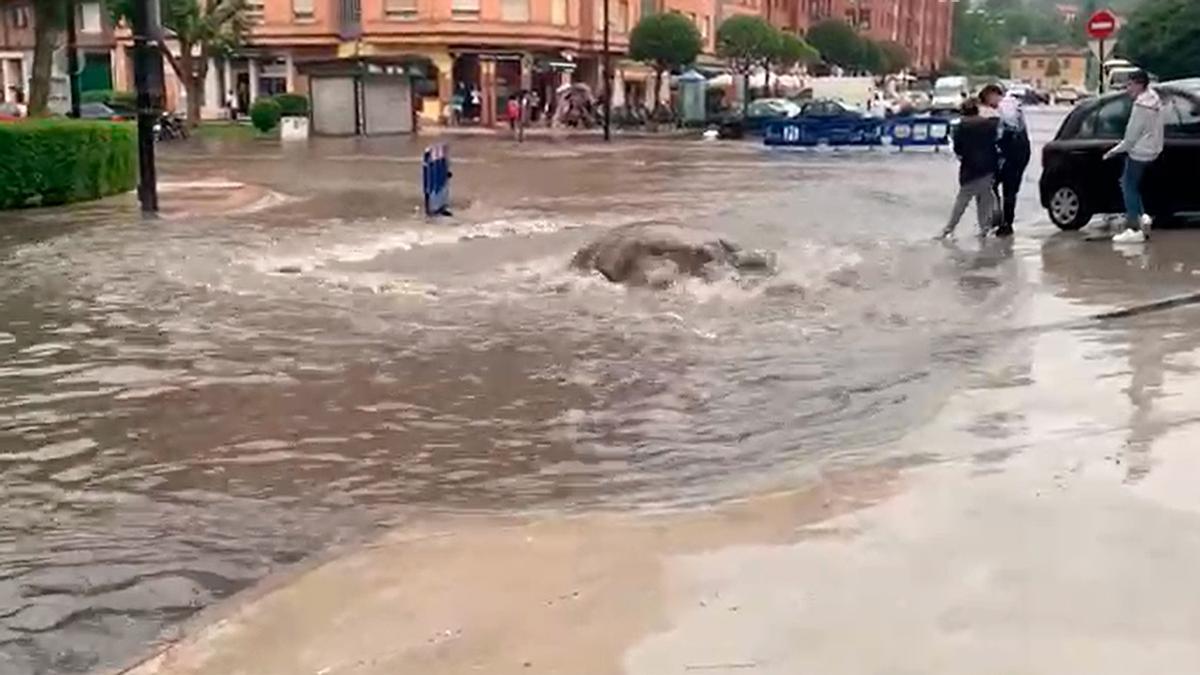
(895, 57)
(203, 29)
(1163, 36)
(838, 43)
(871, 58)
(1054, 68)
(747, 42)
(49, 16)
(664, 41)
(792, 51)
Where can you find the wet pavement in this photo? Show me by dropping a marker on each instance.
(181, 418)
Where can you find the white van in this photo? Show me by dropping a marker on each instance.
(1117, 73)
(949, 93)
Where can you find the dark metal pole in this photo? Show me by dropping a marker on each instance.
(145, 52)
(1103, 75)
(608, 79)
(72, 58)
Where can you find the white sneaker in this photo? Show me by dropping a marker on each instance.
(1130, 237)
(1146, 222)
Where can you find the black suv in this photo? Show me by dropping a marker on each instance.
(1076, 181)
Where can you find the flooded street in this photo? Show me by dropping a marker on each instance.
(189, 404)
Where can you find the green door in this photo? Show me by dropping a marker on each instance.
(97, 72)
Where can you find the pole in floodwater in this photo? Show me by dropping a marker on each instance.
(607, 79)
(72, 58)
(147, 79)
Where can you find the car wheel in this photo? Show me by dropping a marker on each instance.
(1068, 209)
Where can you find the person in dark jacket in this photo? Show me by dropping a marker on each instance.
(979, 159)
(1015, 151)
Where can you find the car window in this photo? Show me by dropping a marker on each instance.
(1109, 120)
(1181, 116)
(759, 109)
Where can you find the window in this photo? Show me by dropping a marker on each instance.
(1025, 64)
(865, 19)
(706, 27)
(20, 17)
(464, 10)
(401, 10)
(558, 12)
(89, 17)
(1181, 116)
(514, 10)
(1109, 121)
(1041, 63)
(622, 18)
(254, 12)
(302, 10)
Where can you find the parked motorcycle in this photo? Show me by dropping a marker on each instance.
(169, 127)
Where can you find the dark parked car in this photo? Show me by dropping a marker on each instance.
(758, 115)
(1077, 183)
(98, 111)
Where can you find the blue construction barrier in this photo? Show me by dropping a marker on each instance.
(435, 180)
(901, 132)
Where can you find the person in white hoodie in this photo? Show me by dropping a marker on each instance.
(1143, 143)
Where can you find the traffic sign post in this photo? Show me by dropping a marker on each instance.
(1100, 27)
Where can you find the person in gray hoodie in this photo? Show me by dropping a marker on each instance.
(1143, 143)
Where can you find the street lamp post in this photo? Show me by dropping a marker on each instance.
(607, 79)
(145, 57)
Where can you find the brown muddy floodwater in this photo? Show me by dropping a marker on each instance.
(177, 418)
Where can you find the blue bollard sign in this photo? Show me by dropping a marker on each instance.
(435, 180)
(899, 132)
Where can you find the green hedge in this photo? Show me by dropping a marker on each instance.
(265, 114)
(48, 162)
(292, 105)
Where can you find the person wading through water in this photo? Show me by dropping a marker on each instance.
(1143, 143)
(1015, 151)
(975, 145)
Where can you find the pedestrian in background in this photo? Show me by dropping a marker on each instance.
(1015, 152)
(1143, 143)
(975, 145)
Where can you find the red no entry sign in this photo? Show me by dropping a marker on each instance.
(1102, 25)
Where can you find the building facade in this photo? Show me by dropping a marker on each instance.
(94, 37)
(473, 49)
(1050, 67)
(463, 49)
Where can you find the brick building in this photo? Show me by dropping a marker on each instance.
(94, 36)
(491, 46)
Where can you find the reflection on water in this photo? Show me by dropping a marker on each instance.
(179, 417)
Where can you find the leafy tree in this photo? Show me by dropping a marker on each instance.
(838, 43)
(871, 57)
(895, 57)
(955, 66)
(203, 29)
(990, 68)
(49, 17)
(791, 51)
(664, 41)
(747, 42)
(1163, 36)
(1054, 68)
